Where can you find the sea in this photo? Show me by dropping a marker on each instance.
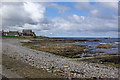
(113, 41)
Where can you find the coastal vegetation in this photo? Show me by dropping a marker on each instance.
(21, 37)
(11, 37)
(67, 50)
(105, 46)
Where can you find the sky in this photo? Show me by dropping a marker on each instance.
(62, 19)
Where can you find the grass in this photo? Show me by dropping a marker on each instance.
(11, 37)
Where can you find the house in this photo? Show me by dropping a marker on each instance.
(13, 33)
(4, 33)
(24, 33)
(28, 33)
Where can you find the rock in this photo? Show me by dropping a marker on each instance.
(65, 66)
(53, 67)
(63, 75)
(62, 66)
(105, 46)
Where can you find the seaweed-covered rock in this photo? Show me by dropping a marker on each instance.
(105, 46)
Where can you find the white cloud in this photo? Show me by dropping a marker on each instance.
(70, 26)
(76, 17)
(36, 11)
(94, 12)
(13, 14)
(82, 17)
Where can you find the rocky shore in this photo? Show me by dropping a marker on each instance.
(72, 48)
(55, 64)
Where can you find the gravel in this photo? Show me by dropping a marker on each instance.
(56, 64)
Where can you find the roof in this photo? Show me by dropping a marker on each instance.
(27, 30)
(13, 31)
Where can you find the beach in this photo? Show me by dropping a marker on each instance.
(57, 65)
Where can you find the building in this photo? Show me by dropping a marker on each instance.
(10, 33)
(24, 33)
(13, 33)
(28, 33)
(4, 33)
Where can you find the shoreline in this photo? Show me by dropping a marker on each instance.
(80, 48)
(62, 66)
(23, 70)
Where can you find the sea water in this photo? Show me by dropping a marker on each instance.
(113, 41)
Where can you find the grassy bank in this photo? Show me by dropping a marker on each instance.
(23, 37)
(11, 37)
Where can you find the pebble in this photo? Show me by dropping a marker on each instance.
(60, 66)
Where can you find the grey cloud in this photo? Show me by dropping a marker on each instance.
(14, 15)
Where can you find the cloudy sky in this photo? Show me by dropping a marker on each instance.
(62, 19)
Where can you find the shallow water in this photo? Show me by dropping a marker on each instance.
(92, 45)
